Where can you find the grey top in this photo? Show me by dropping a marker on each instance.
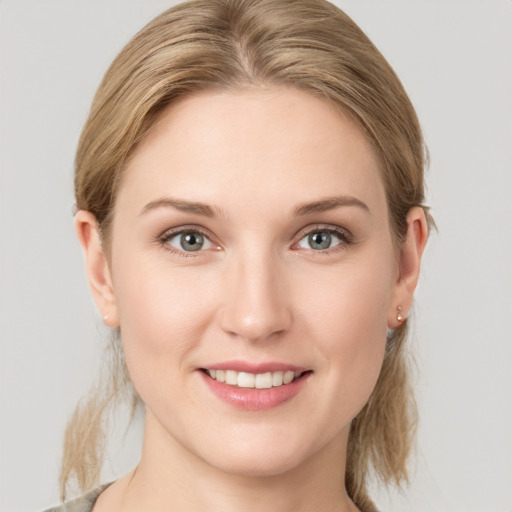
(82, 504)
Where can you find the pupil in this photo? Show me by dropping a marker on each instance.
(191, 241)
(320, 240)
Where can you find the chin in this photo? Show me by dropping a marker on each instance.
(255, 465)
(265, 455)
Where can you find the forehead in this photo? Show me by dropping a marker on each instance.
(255, 147)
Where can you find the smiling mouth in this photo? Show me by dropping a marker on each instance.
(265, 380)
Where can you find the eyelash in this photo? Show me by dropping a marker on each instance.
(342, 234)
(165, 237)
(346, 238)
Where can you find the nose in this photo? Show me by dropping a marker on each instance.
(256, 305)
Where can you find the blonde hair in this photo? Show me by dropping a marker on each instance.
(231, 44)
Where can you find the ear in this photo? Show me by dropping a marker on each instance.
(411, 251)
(96, 264)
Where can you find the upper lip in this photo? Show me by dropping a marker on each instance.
(256, 368)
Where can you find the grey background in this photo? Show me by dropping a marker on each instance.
(455, 59)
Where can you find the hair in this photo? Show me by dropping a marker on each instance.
(203, 45)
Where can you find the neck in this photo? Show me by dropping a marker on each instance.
(170, 477)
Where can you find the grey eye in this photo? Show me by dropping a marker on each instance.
(189, 241)
(319, 240)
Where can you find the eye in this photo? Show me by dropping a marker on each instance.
(188, 241)
(323, 239)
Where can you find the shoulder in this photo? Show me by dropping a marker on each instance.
(82, 504)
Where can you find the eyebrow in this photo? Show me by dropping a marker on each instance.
(181, 205)
(205, 210)
(329, 203)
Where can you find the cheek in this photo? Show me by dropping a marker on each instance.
(348, 319)
(350, 303)
(162, 313)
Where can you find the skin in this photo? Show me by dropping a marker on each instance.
(258, 291)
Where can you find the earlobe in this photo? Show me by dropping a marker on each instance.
(411, 251)
(96, 264)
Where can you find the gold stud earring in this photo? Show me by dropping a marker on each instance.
(399, 316)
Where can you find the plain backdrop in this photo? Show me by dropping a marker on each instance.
(455, 60)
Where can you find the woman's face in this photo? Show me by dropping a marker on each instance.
(251, 238)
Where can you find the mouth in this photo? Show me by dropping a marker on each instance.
(255, 386)
(247, 380)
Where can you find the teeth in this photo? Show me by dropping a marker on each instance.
(245, 380)
(232, 377)
(288, 377)
(251, 380)
(277, 378)
(263, 380)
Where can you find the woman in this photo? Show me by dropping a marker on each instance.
(249, 190)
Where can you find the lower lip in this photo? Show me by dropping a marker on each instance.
(252, 399)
